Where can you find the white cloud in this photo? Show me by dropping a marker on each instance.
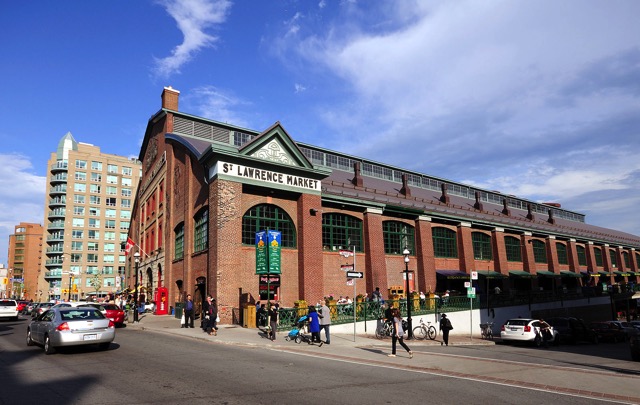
(193, 18)
(218, 105)
(22, 198)
(299, 88)
(537, 99)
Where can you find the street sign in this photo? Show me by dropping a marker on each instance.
(474, 275)
(471, 292)
(467, 284)
(349, 281)
(346, 267)
(355, 274)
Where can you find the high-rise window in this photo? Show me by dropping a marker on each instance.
(112, 169)
(96, 166)
(81, 164)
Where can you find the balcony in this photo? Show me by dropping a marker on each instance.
(53, 274)
(54, 250)
(56, 225)
(58, 202)
(57, 190)
(53, 262)
(57, 213)
(59, 167)
(55, 238)
(59, 178)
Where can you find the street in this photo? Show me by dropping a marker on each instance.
(145, 367)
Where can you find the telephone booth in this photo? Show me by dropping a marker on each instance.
(162, 301)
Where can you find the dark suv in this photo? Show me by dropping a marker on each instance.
(572, 330)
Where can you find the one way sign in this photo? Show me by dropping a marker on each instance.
(355, 274)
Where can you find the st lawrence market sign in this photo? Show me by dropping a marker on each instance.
(267, 176)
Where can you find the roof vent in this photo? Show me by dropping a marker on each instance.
(405, 186)
(478, 204)
(551, 220)
(505, 208)
(357, 180)
(530, 215)
(444, 197)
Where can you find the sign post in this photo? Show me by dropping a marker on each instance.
(352, 275)
(471, 293)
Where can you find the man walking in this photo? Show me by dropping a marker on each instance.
(325, 321)
(188, 312)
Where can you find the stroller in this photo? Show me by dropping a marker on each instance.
(296, 334)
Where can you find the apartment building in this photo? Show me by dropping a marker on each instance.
(87, 215)
(25, 260)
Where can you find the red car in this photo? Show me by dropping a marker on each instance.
(111, 311)
(22, 305)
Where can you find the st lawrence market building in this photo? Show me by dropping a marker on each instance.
(208, 188)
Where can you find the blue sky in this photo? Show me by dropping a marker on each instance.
(540, 99)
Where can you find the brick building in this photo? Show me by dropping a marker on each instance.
(25, 258)
(207, 188)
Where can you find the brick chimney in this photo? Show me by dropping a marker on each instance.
(405, 186)
(170, 98)
(357, 180)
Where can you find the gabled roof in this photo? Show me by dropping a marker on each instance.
(275, 144)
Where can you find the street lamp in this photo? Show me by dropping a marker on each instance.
(70, 281)
(406, 253)
(136, 257)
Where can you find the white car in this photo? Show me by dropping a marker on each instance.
(525, 330)
(9, 309)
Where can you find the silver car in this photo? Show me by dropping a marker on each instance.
(62, 327)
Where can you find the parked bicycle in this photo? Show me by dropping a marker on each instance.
(384, 329)
(425, 330)
(486, 330)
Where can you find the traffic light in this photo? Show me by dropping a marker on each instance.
(5, 281)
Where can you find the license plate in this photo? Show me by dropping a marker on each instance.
(90, 337)
(514, 329)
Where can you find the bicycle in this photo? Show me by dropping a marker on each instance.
(425, 330)
(486, 330)
(384, 330)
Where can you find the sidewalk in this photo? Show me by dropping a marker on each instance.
(236, 334)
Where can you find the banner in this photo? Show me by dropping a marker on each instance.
(261, 253)
(275, 239)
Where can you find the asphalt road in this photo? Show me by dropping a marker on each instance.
(143, 367)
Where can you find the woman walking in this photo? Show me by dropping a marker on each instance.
(211, 313)
(398, 334)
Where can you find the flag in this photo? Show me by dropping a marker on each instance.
(128, 246)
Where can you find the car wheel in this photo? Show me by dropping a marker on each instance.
(48, 349)
(537, 341)
(29, 340)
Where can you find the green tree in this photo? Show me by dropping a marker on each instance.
(96, 283)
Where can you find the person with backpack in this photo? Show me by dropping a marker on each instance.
(398, 334)
(445, 327)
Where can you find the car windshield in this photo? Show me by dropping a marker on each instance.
(7, 303)
(80, 314)
(111, 307)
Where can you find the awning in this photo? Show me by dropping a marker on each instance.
(491, 274)
(586, 273)
(565, 273)
(523, 274)
(546, 273)
(623, 273)
(604, 274)
(453, 274)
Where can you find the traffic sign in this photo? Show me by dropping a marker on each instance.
(355, 274)
(346, 267)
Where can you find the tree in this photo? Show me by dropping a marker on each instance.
(96, 282)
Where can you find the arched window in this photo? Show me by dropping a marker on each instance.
(341, 231)
(539, 251)
(614, 259)
(561, 249)
(582, 255)
(268, 216)
(597, 253)
(201, 230)
(178, 249)
(398, 235)
(444, 242)
(625, 257)
(513, 248)
(481, 246)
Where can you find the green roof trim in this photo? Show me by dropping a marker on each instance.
(565, 273)
(520, 273)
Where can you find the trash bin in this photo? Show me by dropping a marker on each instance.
(179, 308)
(130, 316)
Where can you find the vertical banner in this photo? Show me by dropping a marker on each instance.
(261, 253)
(275, 239)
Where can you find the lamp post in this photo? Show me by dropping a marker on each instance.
(136, 257)
(70, 281)
(406, 253)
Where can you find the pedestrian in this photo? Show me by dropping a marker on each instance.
(314, 325)
(273, 320)
(545, 332)
(141, 304)
(376, 295)
(325, 321)
(188, 312)
(445, 327)
(398, 334)
(211, 313)
(261, 317)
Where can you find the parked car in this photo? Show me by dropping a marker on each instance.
(40, 308)
(29, 308)
(635, 324)
(71, 304)
(9, 309)
(607, 332)
(111, 311)
(572, 330)
(70, 326)
(624, 326)
(524, 330)
(22, 305)
(634, 345)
